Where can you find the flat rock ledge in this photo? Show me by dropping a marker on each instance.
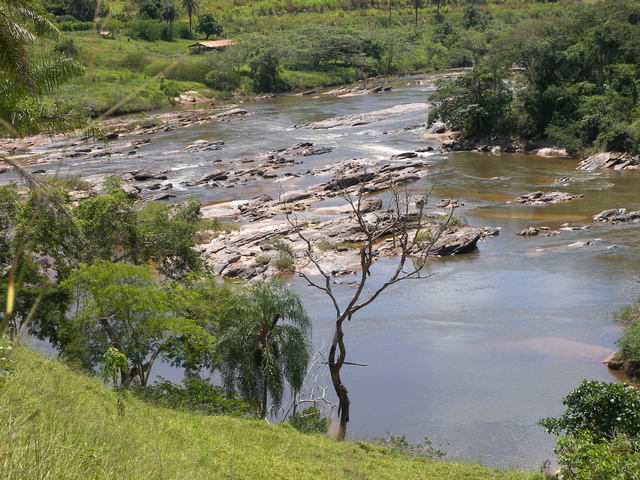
(617, 215)
(544, 198)
(271, 247)
(610, 160)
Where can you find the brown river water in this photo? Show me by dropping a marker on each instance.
(473, 356)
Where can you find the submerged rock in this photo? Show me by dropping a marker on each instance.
(542, 198)
(528, 232)
(365, 118)
(617, 215)
(610, 160)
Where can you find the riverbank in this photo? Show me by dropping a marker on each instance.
(64, 425)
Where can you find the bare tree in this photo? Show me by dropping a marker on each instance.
(412, 234)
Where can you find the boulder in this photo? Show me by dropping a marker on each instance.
(437, 127)
(463, 240)
(295, 196)
(606, 160)
(542, 198)
(617, 215)
(528, 232)
(213, 175)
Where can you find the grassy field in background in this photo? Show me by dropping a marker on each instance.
(57, 424)
(121, 67)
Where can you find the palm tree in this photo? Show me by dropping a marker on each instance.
(266, 343)
(170, 13)
(24, 75)
(191, 7)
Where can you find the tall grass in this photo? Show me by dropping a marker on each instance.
(56, 424)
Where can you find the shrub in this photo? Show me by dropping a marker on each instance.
(195, 394)
(136, 61)
(149, 30)
(600, 409)
(310, 420)
(265, 74)
(75, 26)
(67, 47)
(401, 445)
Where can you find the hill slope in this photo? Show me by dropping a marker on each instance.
(57, 424)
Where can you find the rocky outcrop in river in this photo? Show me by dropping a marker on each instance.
(617, 215)
(610, 160)
(354, 120)
(543, 198)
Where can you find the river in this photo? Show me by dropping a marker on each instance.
(475, 355)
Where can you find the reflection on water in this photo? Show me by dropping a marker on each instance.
(473, 356)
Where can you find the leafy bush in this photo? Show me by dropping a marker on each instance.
(67, 47)
(136, 61)
(401, 445)
(602, 410)
(198, 395)
(476, 103)
(75, 26)
(309, 420)
(586, 458)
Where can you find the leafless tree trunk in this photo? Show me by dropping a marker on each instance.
(406, 224)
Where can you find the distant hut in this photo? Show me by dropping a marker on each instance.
(208, 45)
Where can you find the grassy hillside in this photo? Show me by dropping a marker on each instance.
(56, 424)
(385, 33)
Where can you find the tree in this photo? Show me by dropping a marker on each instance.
(123, 307)
(23, 76)
(407, 227)
(476, 103)
(170, 12)
(417, 5)
(208, 25)
(265, 66)
(266, 344)
(191, 7)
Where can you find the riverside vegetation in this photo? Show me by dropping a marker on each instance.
(282, 46)
(116, 285)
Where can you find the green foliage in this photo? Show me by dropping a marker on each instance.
(67, 47)
(600, 409)
(266, 344)
(114, 362)
(327, 245)
(123, 307)
(477, 103)
(65, 425)
(195, 394)
(136, 61)
(400, 444)
(208, 25)
(309, 420)
(587, 458)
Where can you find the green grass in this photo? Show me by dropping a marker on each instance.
(57, 424)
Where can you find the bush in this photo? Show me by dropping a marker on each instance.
(600, 409)
(265, 71)
(75, 26)
(586, 458)
(195, 394)
(67, 47)
(225, 80)
(136, 61)
(309, 420)
(149, 30)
